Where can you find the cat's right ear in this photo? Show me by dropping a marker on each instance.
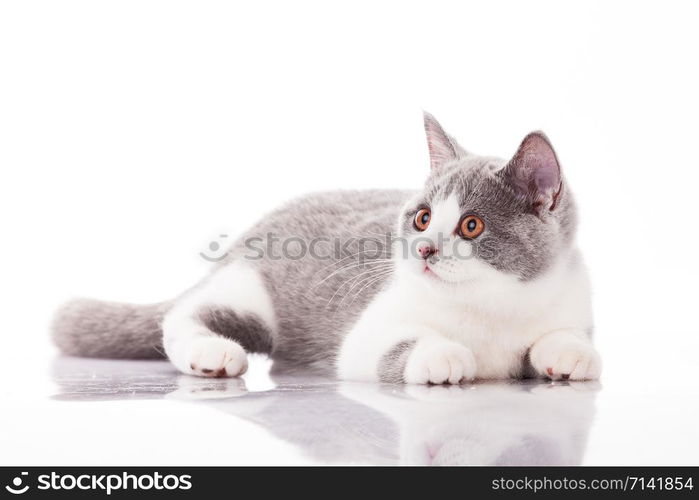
(443, 148)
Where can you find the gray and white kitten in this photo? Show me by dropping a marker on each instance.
(480, 279)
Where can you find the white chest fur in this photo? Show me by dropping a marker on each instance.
(497, 322)
(498, 339)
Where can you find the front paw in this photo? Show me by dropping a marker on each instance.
(435, 360)
(562, 358)
(211, 357)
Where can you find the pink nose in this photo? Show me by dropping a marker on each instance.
(426, 251)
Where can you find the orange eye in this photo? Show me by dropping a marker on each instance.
(422, 219)
(471, 226)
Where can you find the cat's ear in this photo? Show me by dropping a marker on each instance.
(442, 148)
(534, 172)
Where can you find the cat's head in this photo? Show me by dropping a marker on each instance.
(481, 218)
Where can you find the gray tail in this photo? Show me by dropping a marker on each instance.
(96, 329)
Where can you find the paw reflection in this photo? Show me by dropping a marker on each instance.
(194, 388)
(484, 423)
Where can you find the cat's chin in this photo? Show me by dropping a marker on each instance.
(434, 277)
(429, 275)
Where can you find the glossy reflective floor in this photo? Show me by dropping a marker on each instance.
(482, 423)
(102, 412)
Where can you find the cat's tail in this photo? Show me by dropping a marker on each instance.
(95, 329)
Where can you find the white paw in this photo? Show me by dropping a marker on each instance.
(215, 357)
(566, 359)
(435, 360)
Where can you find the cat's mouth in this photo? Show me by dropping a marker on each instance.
(429, 272)
(432, 275)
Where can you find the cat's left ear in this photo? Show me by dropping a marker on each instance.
(534, 172)
(443, 148)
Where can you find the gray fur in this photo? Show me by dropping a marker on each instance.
(392, 364)
(96, 329)
(317, 300)
(249, 331)
(527, 369)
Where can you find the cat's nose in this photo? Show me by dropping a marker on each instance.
(426, 251)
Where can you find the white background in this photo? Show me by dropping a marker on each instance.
(133, 133)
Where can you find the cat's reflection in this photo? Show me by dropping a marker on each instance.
(489, 423)
(505, 423)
